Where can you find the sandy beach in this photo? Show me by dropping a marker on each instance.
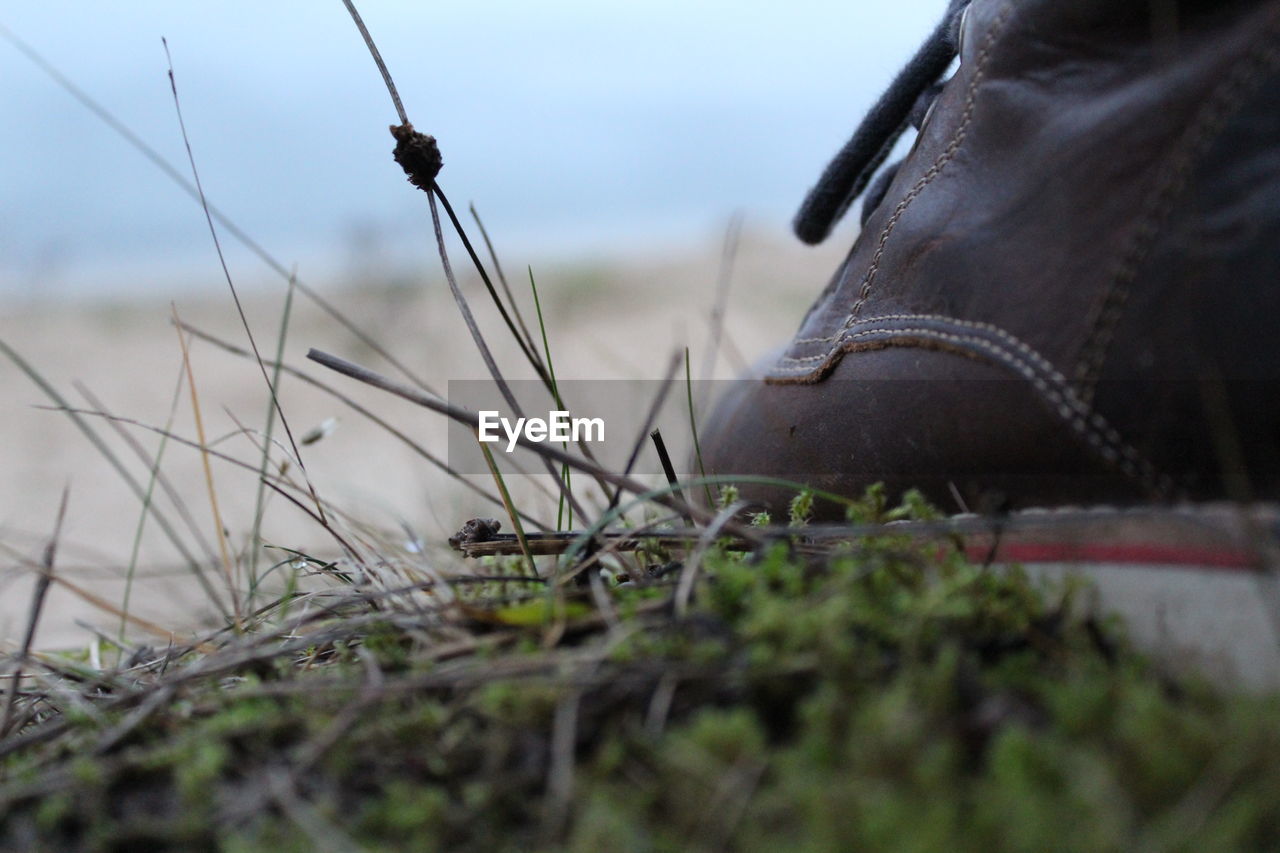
(620, 318)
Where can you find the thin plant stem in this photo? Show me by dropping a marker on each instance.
(528, 349)
(506, 502)
(179, 505)
(259, 507)
(235, 296)
(693, 427)
(478, 338)
(152, 479)
(377, 58)
(724, 278)
(555, 392)
(427, 183)
(33, 619)
(219, 530)
(650, 418)
(502, 278)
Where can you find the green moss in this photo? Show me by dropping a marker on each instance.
(391, 648)
(53, 811)
(891, 698)
(405, 809)
(87, 772)
(201, 769)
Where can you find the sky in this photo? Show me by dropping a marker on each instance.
(576, 128)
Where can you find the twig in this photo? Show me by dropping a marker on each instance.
(323, 835)
(530, 351)
(668, 469)
(555, 393)
(154, 478)
(204, 448)
(655, 718)
(158, 698)
(346, 546)
(321, 518)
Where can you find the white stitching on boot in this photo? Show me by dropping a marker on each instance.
(1009, 351)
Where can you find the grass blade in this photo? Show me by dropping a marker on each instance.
(235, 296)
(219, 529)
(502, 278)
(693, 427)
(33, 619)
(259, 508)
(565, 475)
(510, 507)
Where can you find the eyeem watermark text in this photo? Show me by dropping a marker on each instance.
(557, 426)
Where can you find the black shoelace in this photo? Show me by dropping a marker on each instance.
(904, 103)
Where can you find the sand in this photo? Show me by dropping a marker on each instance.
(618, 318)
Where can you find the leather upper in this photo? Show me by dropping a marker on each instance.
(1093, 208)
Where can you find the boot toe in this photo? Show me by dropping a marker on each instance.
(909, 418)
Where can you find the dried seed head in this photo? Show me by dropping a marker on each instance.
(418, 154)
(476, 529)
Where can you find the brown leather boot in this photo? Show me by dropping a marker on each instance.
(1069, 290)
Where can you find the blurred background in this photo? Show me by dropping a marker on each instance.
(608, 146)
(577, 128)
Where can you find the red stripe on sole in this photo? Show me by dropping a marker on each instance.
(1230, 559)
